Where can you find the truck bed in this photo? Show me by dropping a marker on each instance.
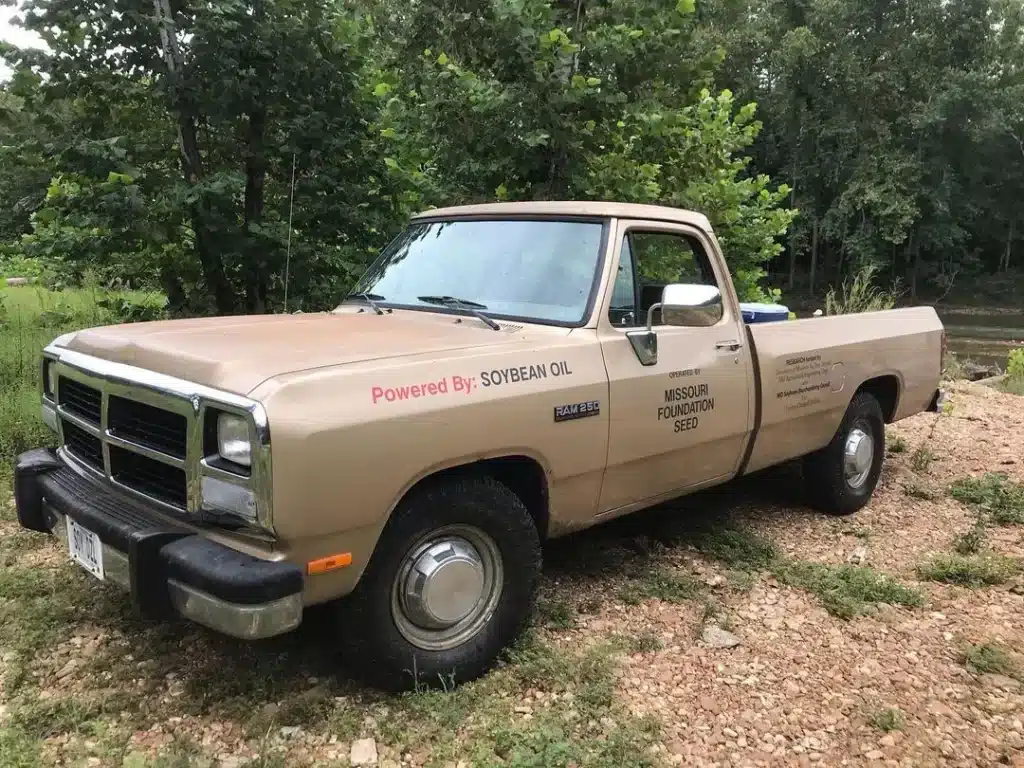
(808, 370)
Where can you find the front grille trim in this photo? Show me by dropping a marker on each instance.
(179, 397)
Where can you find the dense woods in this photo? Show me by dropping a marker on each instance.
(191, 146)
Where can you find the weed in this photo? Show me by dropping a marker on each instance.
(991, 659)
(887, 720)
(18, 749)
(968, 571)
(897, 445)
(556, 613)
(917, 490)
(1001, 498)
(645, 642)
(662, 584)
(861, 294)
(1012, 385)
(921, 459)
(953, 368)
(971, 542)
(846, 590)
(738, 549)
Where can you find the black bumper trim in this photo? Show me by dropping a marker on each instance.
(156, 548)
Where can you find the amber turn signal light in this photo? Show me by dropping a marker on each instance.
(331, 563)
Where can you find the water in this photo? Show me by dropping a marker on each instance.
(983, 335)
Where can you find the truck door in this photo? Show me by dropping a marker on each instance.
(684, 420)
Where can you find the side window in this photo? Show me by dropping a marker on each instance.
(623, 307)
(663, 258)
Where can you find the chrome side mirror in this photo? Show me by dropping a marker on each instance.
(690, 304)
(682, 304)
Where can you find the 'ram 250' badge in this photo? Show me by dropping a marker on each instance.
(577, 410)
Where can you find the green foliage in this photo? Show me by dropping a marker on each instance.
(921, 459)
(968, 571)
(991, 659)
(1015, 364)
(861, 294)
(1014, 381)
(663, 584)
(887, 720)
(994, 494)
(897, 445)
(846, 590)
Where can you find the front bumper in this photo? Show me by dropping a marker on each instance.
(167, 568)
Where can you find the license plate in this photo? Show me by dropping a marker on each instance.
(85, 548)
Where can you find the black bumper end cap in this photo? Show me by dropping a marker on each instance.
(28, 495)
(228, 574)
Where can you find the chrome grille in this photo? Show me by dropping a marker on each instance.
(144, 433)
(153, 427)
(81, 400)
(153, 478)
(84, 446)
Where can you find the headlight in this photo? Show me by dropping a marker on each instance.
(233, 439)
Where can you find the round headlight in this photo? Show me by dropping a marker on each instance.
(233, 439)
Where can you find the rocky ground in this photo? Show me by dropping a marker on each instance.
(734, 629)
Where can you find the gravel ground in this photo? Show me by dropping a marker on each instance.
(85, 683)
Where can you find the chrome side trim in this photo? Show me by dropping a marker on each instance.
(248, 622)
(191, 400)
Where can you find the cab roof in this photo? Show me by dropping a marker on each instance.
(592, 209)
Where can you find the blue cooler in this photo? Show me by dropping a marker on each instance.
(763, 313)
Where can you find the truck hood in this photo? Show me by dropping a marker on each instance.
(237, 354)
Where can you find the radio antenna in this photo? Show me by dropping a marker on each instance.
(288, 251)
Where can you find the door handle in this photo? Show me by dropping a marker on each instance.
(732, 345)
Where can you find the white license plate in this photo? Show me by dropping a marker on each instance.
(85, 548)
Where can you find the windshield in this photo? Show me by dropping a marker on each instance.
(542, 270)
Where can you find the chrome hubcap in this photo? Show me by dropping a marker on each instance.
(447, 587)
(858, 455)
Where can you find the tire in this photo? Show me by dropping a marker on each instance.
(382, 626)
(836, 485)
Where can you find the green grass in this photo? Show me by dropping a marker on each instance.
(991, 659)
(664, 584)
(994, 494)
(555, 613)
(969, 570)
(887, 720)
(897, 445)
(1012, 385)
(739, 549)
(30, 318)
(847, 590)
(971, 542)
(645, 642)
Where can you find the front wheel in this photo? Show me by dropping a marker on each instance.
(451, 583)
(842, 476)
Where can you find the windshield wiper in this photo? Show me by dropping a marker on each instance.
(470, 306)
(369, 298)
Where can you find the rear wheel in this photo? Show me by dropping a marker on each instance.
(842, 476)
(451, 583)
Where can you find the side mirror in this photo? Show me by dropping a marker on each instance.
(682, 304)
(690, 304)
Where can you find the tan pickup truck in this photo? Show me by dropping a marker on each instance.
(501, 375)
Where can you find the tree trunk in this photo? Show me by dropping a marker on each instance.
(1009, 246)
(792, 237)
(916, 270)
(814, 252)
(255, 175)
(191, 160)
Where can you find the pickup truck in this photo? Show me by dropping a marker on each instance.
(501, 375)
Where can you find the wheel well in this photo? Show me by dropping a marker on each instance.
(522, 475)
(886, 390)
